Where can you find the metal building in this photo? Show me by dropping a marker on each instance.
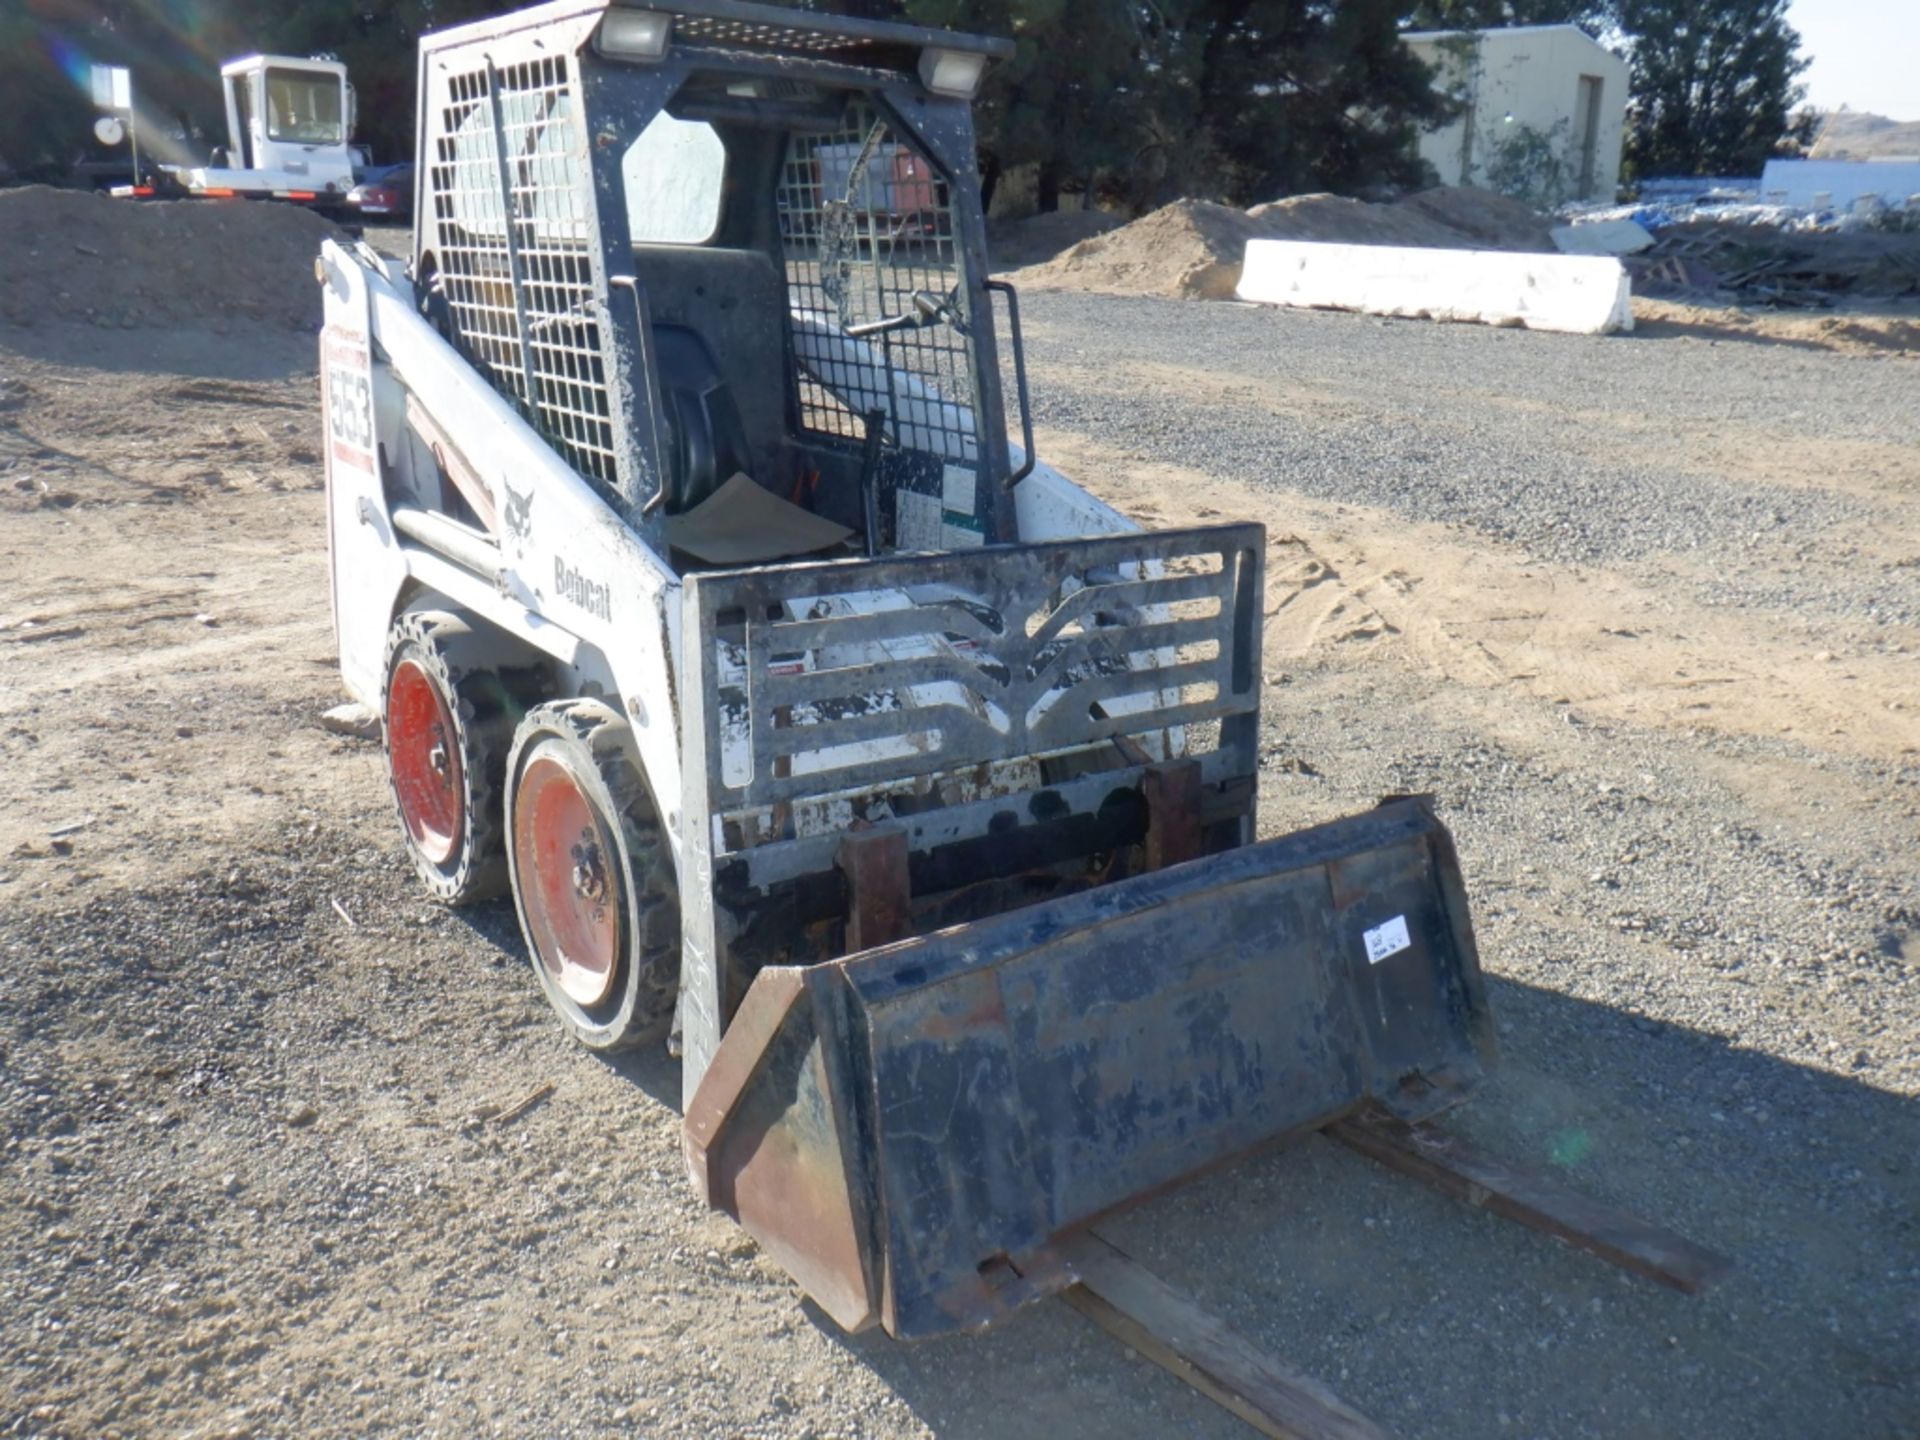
(1544, 111)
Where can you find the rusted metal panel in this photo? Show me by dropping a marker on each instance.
(979, 1092)
(766, 1136)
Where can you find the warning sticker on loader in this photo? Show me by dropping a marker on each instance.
(347, 373)
(1388, 939)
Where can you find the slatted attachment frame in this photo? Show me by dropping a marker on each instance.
(987, 656)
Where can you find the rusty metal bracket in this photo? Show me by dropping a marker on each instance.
(879, 895)
(1172, 793)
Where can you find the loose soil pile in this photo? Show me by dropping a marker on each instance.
(1038, 238)
(72, 255)
(1193, 249)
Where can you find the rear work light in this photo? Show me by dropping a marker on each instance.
(952, 72)
(634, 35)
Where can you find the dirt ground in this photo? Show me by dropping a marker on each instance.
(281, 1156)
(1887, 327)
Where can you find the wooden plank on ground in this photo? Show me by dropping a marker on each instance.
(1142, 1311)
(1457, 1168)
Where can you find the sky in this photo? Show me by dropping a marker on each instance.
(1866, 54)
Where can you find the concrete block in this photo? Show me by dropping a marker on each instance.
(1602, 237)
(353, 719)
(1578, 294)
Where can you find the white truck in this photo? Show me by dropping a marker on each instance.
(289, 119)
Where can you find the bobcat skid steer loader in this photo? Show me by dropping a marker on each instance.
(678, 541)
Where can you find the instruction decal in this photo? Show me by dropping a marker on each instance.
(958, 489)
(916, 521)
(1388, 939)
(347, 373)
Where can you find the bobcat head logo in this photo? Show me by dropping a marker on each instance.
(516, 512)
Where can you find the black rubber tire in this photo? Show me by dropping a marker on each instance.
(595, 744)
(484, 693)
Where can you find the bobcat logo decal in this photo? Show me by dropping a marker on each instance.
(516, 513)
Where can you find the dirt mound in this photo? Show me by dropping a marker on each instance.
(1039, 238)
(1347, 222)
(1489, 221)
(1193, 249)
(75, 256)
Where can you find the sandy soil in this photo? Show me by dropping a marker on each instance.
(266, 1167)
(1194, 249)
(1889, 328)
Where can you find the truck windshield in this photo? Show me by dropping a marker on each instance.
(304, 107)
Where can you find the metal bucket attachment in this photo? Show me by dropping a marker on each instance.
(908, 1129)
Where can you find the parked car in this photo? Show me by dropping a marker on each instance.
(386, 196)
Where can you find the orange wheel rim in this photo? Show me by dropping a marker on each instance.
(424, 752)
(566, 869)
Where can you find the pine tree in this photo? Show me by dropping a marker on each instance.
(1294, 95)
(1713, 84)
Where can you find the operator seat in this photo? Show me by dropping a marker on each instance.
(704, 441)
(719, 330)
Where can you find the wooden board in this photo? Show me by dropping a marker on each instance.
(1534, 1200)
(1141, 1310)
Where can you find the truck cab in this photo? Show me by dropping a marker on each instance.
(288, 122)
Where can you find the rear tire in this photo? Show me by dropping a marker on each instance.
(592, 876)
(447, 716)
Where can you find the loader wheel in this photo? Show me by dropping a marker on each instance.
(449, 714)
(592, 876)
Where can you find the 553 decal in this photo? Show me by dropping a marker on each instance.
(347, 375)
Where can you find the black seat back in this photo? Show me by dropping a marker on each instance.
(719, 328)
(706, 443)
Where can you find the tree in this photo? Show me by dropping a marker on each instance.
(45, 114)
(1713, 84)
(1291, 95)
(1070, 102)
(1590, 15)
(175, 47)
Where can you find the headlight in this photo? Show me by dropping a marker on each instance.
(633, 34)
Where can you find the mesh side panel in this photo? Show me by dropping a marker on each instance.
(541, 347)
(865, 223)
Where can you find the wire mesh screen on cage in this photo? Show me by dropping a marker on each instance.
(514, 251)
(866, 230)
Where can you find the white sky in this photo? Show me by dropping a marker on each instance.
(1866, 54)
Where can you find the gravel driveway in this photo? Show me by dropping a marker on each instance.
(280, 1156)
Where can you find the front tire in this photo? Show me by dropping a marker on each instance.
(447, 715)
(592, 876)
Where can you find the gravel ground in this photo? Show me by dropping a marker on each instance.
(264, 1168)
(1583, 450)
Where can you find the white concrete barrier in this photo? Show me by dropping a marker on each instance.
(1602, 237)
(1580, 294)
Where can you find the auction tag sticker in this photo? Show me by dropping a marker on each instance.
(1388, 939)
(348, 373)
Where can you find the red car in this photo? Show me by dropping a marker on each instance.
(388, 196)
